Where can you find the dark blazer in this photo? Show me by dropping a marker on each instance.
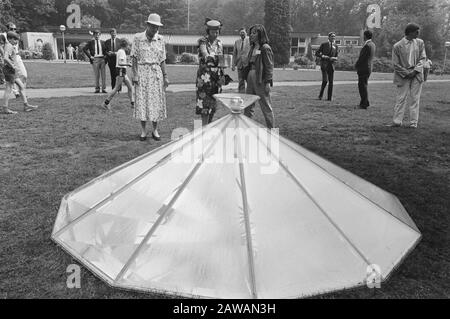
(108, 47)
(263, 64)
(89, 49)
(365, 61)
(326, 49)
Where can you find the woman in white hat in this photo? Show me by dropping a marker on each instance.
(208, 75)
(149, 76)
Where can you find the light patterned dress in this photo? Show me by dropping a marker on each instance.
(150, 104)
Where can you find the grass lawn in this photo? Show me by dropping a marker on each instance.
(68, 142)
(60, 75)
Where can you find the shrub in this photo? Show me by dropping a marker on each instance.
(47, 52)
(438, 67)
(171, 58)
(189, 58)
(37, 55)
(26, 54)
(302, 60)
(382, 65)
(346, 61)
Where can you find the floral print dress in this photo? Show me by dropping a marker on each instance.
(150, 104)
(209, 76)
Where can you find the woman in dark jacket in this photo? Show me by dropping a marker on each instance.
(260, 76)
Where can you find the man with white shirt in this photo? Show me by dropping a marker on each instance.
(95, 50)
(408, 58)
(240, 57)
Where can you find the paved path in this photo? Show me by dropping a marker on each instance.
(176, 88)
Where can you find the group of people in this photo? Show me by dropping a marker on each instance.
(253, 59)
(12, 70)
(147, 87)
(410, 63)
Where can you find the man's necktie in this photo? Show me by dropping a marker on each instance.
(98, 47)
(242, 46)
(113, 41)
(411, 58)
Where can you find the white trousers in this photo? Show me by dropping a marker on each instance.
(411, 88)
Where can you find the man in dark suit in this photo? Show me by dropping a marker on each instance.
(364, 68)
(327, 53)
(95, 50)
(112, 46)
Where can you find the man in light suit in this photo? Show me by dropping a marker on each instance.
(112, 46)
(240, 57)
(328, 53)
(409, 59)
(364, 68)
(95, 50)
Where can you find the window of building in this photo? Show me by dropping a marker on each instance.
(338, 42)
(302, 40)
(294, 42)
(348, 42)
(355, 42)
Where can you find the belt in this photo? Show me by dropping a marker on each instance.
(148, 63)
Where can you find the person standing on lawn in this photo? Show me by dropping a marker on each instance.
(121, 71)
(149, 76)
(328, 53)
(240, 57)
(70, 50)
(11, 71)
(112, 46)
(23, 74)
(208, 74)
(409, 59)
(364, 68)
(2, 54)
(260, 76)
(95, 50)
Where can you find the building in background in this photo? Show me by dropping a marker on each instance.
(180, 42)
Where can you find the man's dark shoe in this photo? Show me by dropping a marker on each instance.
(104, 91)
(97, 91)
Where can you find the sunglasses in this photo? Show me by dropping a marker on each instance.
(12, 29)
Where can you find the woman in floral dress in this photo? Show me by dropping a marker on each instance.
(209, 76)
(149, 76)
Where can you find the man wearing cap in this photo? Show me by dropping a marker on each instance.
(95, 50)
(408, 58)
(327, 53)
(240, 57)
(150, 77)
(112, 46)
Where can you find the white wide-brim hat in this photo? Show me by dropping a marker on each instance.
(155, 19)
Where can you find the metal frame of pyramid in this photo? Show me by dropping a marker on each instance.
(183, 220)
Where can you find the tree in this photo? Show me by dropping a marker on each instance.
(6, 13)
(277, 23)
(47, 52)
(90, 22)
(30, 14)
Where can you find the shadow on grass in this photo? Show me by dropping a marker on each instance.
(68, 142)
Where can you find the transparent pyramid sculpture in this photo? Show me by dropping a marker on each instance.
(234, 210)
